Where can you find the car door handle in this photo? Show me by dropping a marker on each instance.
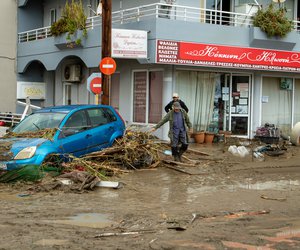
(88, 136)
(111, 128)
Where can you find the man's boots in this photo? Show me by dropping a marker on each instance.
(182, 149)
(175, 154)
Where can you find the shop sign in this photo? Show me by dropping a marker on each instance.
(33, 90)
(209, 55)
(129, 43)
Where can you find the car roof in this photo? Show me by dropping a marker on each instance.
(68, 108)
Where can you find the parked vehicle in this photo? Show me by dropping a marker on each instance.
(80, 129)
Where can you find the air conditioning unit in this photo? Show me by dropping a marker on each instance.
(72, 73)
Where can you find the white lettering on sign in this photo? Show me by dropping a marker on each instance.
(107, 66)
(97, 85)
(172, 52)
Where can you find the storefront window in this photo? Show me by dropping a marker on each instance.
(147, 96)
(276, 104)
(115, 90)
(139, 96)
(197, 90)
(155, 96)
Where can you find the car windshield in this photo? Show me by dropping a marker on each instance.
(39, 121)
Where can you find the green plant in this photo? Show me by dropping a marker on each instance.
(72, 19)
(273, 21)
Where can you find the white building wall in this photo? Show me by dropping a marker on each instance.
(8, 29)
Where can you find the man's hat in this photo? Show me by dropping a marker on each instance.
(176, 105)
(175, 95)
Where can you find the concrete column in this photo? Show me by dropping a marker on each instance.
(167, 97)
(257, 104)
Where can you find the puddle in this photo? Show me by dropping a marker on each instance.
(50, 242)
(109, 194)
(274, 185)
(93, 220)
(281, 185)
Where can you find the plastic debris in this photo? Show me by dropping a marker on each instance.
(240, 151)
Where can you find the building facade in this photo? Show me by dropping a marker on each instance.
(8, 55)
(229, 73)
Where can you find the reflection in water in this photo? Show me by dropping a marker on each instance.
(93, 220)
(109, 194)
(165, 193)
(274, 185)
(280, 185)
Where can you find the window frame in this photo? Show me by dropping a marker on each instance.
(51, 21)
(147, 71)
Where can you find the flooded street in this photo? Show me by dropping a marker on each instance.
(229, 203)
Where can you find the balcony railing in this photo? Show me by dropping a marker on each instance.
(158, 10)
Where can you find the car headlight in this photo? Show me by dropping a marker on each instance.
(26, 153)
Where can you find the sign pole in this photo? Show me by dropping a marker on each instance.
(106, 47)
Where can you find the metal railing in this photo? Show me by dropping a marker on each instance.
(9, 118)
(158, 10)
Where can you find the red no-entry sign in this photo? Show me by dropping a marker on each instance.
(108, 66)
(96, 85)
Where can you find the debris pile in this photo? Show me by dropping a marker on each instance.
(5, 153)
(46, 133)
(135, 150)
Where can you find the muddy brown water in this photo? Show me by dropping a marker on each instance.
(228, 203)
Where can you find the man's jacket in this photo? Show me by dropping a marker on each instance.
(169, 118)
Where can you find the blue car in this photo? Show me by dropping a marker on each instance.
(81, 129)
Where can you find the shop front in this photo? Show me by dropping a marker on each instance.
(233, 88)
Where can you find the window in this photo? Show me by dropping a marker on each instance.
(110, 115)
(52, 16)
(115, 90)
(99, 117)
(76, 123)
(147, 96)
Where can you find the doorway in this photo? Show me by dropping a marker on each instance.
(70, 93)
(217, 16)
(233, 103)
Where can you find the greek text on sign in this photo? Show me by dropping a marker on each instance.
(129, 43)
(196, 54)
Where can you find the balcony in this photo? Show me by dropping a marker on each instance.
(157, 11)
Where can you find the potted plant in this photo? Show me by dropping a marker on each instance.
(273, 21)
(199, 136)
(72, 20)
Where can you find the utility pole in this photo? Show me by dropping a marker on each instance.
(106, 46)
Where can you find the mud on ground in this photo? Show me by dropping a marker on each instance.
(225, 202)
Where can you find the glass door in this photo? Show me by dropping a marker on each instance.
(234, 104)
(240, 104)
(218, 11)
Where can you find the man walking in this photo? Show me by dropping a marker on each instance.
(179, 126)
